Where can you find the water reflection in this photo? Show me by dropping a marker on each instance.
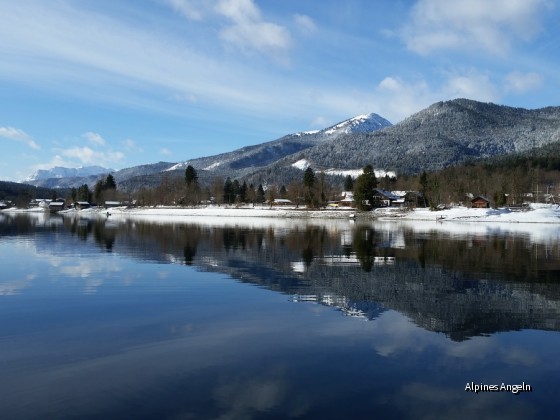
(128, 318)
(463, 285)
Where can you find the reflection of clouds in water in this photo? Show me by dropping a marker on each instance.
(421, 400)
(162, 275)
(127, 279)
(91, 285)
(85, 269)
(15, 287)
(242, 397)
(520, 356)
(393, 334)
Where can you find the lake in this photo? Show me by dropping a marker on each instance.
(269, 318)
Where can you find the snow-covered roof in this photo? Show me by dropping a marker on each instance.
(387, 194)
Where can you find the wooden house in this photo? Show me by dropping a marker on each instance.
(56, 206)
(480, 202)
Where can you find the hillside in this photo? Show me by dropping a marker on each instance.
(442, 135)
(242, 161)
(12, 191)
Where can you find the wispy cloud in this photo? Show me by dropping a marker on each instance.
(131, 145)
(165, 151)
(518, 82)
(472, 25)
(191, 9)
(89, 156)
(16, 134)
(248, 31)
(305, 24)
(94, 138)
(399, 98)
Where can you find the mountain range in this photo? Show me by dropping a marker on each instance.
(444, 134)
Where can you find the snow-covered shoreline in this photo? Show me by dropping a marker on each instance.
(536, 213)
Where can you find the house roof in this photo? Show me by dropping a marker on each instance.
(480, 197)
(388, 194)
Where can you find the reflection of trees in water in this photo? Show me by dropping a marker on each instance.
(434, 278)
(307, 256)
(364, 246)
(104, 236)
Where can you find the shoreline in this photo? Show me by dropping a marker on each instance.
(535, 213)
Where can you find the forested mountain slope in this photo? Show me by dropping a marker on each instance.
(442, 135)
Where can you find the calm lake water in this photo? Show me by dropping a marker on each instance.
(192, 318)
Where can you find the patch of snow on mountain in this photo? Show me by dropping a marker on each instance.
(354, 173)
(213, 166)
(306, 133)
(180, 165)
(344, 172)
(301, 164)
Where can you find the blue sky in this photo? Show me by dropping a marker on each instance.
(129, 82)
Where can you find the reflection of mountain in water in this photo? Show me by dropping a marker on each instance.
(462, 286)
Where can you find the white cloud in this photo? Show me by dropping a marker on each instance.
(397, 99)
(473, 25)
(472, 86)
(191, 9)
(319, 122)
(131, 145)
(89, 156)
(94, 138)
(165, 151)
(518, 82)
(305, 24)
(248, 31)
(16, 134)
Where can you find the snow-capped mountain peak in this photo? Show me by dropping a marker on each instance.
(359, 124)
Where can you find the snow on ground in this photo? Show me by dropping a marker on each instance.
(540, 223)
(536, 213)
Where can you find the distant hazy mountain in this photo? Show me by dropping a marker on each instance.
(61, 172)
(54, 178)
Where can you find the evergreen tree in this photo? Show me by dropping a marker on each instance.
(236, 189)
(228, 191)
(260, 194)
(348, 183)
(309, 178)
(363, 188)
(243, 192)
(191, 177)
(110, 183)
(83, 193)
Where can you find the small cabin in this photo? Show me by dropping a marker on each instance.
(111, 204)
(56, 206)
(480, 202)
